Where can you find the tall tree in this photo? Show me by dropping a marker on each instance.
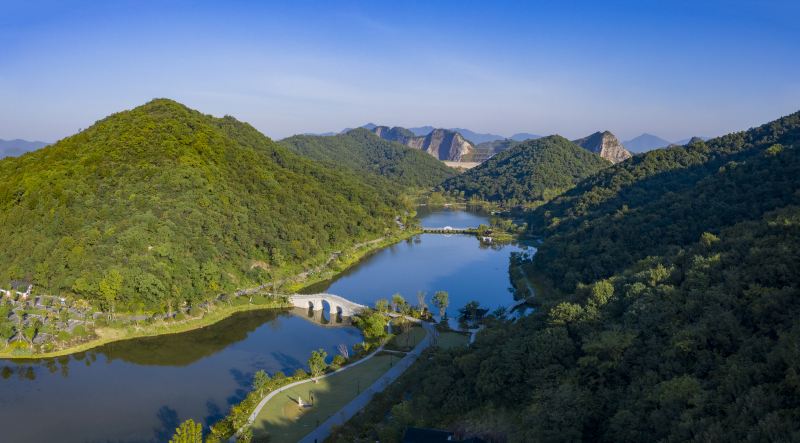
(441, 299)
(316, 364)
(188, 432)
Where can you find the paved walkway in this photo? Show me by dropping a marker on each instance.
(361, 400)
(349, 410)
(266, 399)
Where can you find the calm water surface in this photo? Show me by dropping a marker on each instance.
(140, 390)
(458, 264)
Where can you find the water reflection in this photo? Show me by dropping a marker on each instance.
(137, 390)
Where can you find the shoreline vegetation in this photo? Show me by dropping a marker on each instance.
(248, 301)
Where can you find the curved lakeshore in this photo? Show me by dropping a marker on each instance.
(106, 335)
(201, 373)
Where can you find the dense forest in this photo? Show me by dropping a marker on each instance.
(532, 171)
(665, 199)
(162, 204)
(688, 332)
(365, 153)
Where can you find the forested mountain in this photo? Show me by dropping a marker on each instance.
(606, 145)
(666, 198)
(13, 148)
(366, 153)
(164, 204)
(684, 326)
(532, 171)
(646, 142)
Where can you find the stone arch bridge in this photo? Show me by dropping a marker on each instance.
(338, 305)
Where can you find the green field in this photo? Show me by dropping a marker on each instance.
(448, 340)
(406, 340)
(282, 420)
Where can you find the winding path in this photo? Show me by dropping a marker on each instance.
(360, 401)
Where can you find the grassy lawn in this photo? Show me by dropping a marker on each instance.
(449, 339)
(407, 340)
(282, 420)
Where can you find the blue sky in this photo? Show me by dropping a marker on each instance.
(675, 69)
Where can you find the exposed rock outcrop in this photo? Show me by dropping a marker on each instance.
(443, 144)
(606, 145)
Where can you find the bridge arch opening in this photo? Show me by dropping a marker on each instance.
(327, 312)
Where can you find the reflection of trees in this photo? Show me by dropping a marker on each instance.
(188, 347)
(23, 372)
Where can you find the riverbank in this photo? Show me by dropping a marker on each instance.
(220, 311)
(107, 335)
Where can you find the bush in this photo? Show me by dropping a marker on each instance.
(339, 361)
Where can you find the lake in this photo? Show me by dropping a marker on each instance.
(456, 263)
(140, 390)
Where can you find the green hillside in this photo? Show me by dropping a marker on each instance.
(364, 152)
(690, 333)
(665, 199)
(532, 171)
(162, 203)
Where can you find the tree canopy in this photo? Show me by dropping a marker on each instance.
(162, 203)
(665, 199)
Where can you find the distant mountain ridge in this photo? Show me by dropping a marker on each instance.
(13, 148)
(645, 142)
(443, 144)
(522, 136)
(473, 137)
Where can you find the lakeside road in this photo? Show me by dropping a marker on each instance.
(360, 402)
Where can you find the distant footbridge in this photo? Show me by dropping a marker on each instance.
(315, 302)
(449, 230)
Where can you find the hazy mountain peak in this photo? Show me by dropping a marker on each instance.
(645, 142)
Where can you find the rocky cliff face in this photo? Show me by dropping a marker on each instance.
(606, 145)
(443, 144)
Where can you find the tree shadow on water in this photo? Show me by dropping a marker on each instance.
(213, 413)
(286, 361)
(168, 422)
